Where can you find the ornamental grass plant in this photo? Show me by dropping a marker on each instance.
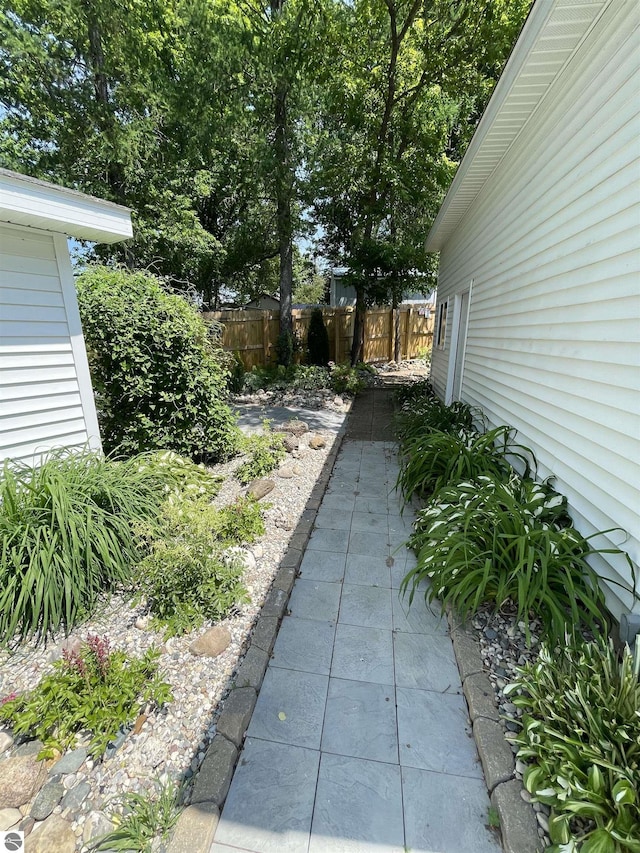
(581, 739)
(490, 540)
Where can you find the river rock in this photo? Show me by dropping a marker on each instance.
(212, 643)
(54, 834)
(286, 473)
(295, 427)
(21, 777)
(96, 824)
(290, 443)
(6, 741)
(76, 796)
(259, 488)
(9, 817)
(71, 762)
(47, 800)
(317, 442)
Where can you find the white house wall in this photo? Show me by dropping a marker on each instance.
(46, 399)
(552, 246)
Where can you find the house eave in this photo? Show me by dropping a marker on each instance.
(38, 204)
(551, 35)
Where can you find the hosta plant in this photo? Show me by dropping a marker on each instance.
(581, 739)
(91, 688)
(441, 459)
(490, 540)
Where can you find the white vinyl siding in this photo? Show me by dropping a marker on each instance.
(552, 244)
(45, 394)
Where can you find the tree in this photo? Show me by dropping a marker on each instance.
(404, 77)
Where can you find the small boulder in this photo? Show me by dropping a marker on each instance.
(9, 817)
(54, 834)
(70, 762)
(286, 473)
(295, 427)
(260, 488)
(22, 776)
(212, 643)
(95, 825)
(6, 741)
(290, 443)
(316, 442)
(47, 800)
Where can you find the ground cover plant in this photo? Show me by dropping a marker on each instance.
(143, 820)
(265, 452)
(494, 540)
(159, 377)
(581, 739)
(340, 378)
(91, 688)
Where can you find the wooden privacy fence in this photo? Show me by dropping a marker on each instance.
(253, 334)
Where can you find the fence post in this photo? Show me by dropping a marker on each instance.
(337, 325)
(266, 341)
(409, 332)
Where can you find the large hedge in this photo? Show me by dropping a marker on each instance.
(160, 382)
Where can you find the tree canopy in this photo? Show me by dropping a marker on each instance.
(232, 128)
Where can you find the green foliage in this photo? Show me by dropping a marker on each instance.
(236, 375)
(144, 819)
(318, 339)
(239, 522)
(265, 453)
(92, 688)
(438, 459)
(490, 540)
(185, 576)
(66, 532)
(346, 379)
(581, 737)
(159, 381)
(418, 417)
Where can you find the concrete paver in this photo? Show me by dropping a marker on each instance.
(360, 741)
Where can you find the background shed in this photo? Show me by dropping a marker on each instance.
(46, 398)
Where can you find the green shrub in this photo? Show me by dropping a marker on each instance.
(581, 737)
(346, 379)
(92, 688)
(490, 541)
(440, 458)
(66, 532)
(265, 453)
(417, 419)
(239, 522)
(318, 339)
(185, 577)
(236, 375)
(160, 382)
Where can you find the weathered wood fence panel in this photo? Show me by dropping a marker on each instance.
(253, 334)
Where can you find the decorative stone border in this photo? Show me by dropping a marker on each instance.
(198, 822)
(518, 824)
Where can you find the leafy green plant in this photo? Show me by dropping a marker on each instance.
(92, 688)
(265, 453)
(239, 522)
(491, 540)
(345, 379)
(441, 458)
(318, 339)
(185, 577)
(66, 533)
(417, 419)
(160, 379)
(581, 737)
(143, 819)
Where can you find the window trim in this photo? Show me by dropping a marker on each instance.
(441, 331)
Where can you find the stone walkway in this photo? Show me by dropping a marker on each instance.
(360, 739)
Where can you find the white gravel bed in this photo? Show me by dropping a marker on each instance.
(172, 742)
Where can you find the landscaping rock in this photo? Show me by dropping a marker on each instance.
(290, 443)
(275, 603)
(480, 696)
(285, 473)
(260, 488)
(317, 442)
(212, 643)
(54, 834)
(95, 825)
(195, 829)
(495, 753)
(47, 800)
(9, 817)
(27, 825)
(6, 741)
(69, 763)
(21, 777)
(76, 796)
(29, 747)
(265, 632)
(295, 427)
(252, 668)
(518, 824)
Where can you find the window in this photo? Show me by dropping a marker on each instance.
(442, 325)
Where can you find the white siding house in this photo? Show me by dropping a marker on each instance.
(46, 399)
(538, 307)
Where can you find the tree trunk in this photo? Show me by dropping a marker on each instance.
(358, 327)
(395, 317)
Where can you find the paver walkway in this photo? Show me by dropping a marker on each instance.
(360, 738)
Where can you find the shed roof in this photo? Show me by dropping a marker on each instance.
(40, 204)
(549, 39)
